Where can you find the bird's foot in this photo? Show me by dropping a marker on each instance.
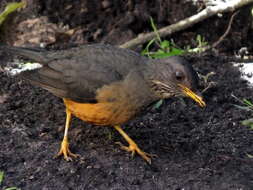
(67, 154)
(133, 147)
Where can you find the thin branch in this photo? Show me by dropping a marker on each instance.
(208, 47)
(230, 5)
(226, 32)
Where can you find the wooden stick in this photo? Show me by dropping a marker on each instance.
(230, 5)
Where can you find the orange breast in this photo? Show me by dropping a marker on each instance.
(105, 113)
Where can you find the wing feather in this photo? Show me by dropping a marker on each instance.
(78, 73)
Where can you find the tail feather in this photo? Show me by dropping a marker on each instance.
(29, 53)
(52, 84)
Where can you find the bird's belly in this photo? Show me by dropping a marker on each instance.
(105, 113)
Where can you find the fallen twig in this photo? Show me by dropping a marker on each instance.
(226, 32)
(205, 48)
(221, 7)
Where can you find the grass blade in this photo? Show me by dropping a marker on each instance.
(11, 7)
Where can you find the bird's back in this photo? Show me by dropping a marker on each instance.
(77, 73)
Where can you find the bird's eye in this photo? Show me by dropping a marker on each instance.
(179, 75)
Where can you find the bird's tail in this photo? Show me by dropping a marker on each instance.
(32, 54)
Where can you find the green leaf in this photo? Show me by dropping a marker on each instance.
(176, 51)
(162, 54)
(158, 55)
(250, 155)
(12, 188)
(248, 122)
(198, 38)
(157, 104)
(246, 108)
(247, 102)
(167, 48)
(201, 42)
(1, 177)
(165, 44)
(11, 7)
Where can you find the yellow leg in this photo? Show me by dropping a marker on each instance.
(65, 144)
(133, 147)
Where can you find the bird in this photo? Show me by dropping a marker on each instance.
(106, 85)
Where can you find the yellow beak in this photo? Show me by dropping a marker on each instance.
(193, 95)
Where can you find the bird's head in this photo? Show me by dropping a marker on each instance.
(173, 76)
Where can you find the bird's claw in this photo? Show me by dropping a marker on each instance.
(65, 151)
(133, 148)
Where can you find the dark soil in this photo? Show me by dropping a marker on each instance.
(196, 148)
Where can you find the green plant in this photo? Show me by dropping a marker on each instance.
(201, 41)
(169, 48)
(201, 45)
(1, 181)
(1, 177)
(11, 7)
(12, 188)
(247, 106)
(165, 48)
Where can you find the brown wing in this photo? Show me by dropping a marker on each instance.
(72, 79)
(77, 73)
